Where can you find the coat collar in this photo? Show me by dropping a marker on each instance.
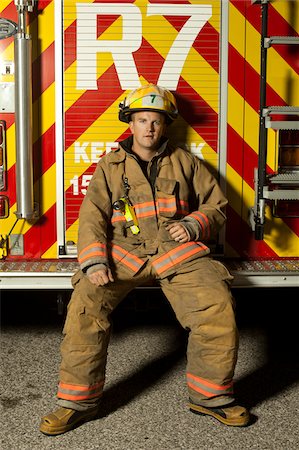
(124, 149)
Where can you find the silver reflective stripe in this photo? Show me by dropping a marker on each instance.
(207, 388)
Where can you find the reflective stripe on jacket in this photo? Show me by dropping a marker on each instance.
(182, 188)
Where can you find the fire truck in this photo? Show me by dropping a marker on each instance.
(65, 65)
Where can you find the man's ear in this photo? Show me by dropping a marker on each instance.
(131, 125)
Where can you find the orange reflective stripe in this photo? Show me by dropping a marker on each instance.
(167, 204)
(145, 209)
(128, 259)
(78, 392)
(184, 208)
(204, 223)
(94, 249)
(150, 209)
(79, 387)
(201, 391)
(208, 388)
(77, 397)
(117, 217)
(178, 254)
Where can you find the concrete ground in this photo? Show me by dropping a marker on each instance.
(145, 402)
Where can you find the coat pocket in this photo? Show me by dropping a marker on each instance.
(76, 278)
(166, 200)
(222, 271)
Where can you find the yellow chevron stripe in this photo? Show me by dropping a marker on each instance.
(236, 30)
(241, 204)
(4, 4)
(277, 233)
(51, 253)
(70, 235)
(102, 126)
(289, 11)
(278, 69)
(11, 145)
(43, 108)
(236, 102)
(47, 199)
(192, 136)
(45, 25)
(216, 11)
(7, 55)
(72, 232)
(104, 61)
(280, 238)
(46, 33)
(234, 189)
(195, 64)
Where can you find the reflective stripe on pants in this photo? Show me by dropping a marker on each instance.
(200, 297)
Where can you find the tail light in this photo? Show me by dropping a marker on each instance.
(2, 156)
(4, 207)
(288, 150)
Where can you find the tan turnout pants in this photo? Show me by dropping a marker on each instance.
(200, 297)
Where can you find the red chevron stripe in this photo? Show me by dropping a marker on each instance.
(82, 114)
(241, 238)
(70, 53)
(241, 157)
(40, 237)
(43, 156)
(9, 119)
(178, 2)
(10, 12)
(277, 26)
(246, 81)
(43, 72)
(208, 34)
(293, 224)
(70, 33)
(171, 1)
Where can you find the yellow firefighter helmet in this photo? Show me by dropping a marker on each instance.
(149, 98)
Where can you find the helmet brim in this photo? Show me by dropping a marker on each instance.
(126, 115)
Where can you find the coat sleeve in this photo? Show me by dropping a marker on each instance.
(209, 216)
(94, 216)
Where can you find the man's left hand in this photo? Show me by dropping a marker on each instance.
(178, 232)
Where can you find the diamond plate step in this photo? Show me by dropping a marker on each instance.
(285, 178)
(56, 275)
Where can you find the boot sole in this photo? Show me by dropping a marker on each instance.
(241, 421)
(54, 431)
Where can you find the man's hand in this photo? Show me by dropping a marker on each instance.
(178, 232)
(101, 277)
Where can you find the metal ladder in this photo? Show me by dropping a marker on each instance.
(280, 186)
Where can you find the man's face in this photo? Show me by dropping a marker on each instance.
(147, 128)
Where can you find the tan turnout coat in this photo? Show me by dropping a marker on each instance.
(182, 188)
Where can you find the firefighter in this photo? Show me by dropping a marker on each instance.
(149, 211)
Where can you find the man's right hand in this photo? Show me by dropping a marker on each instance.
(101, 277)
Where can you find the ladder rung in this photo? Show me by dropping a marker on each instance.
(281, 194)
(288, 40)
(290, 178)
(290, 110)
(282, 124)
